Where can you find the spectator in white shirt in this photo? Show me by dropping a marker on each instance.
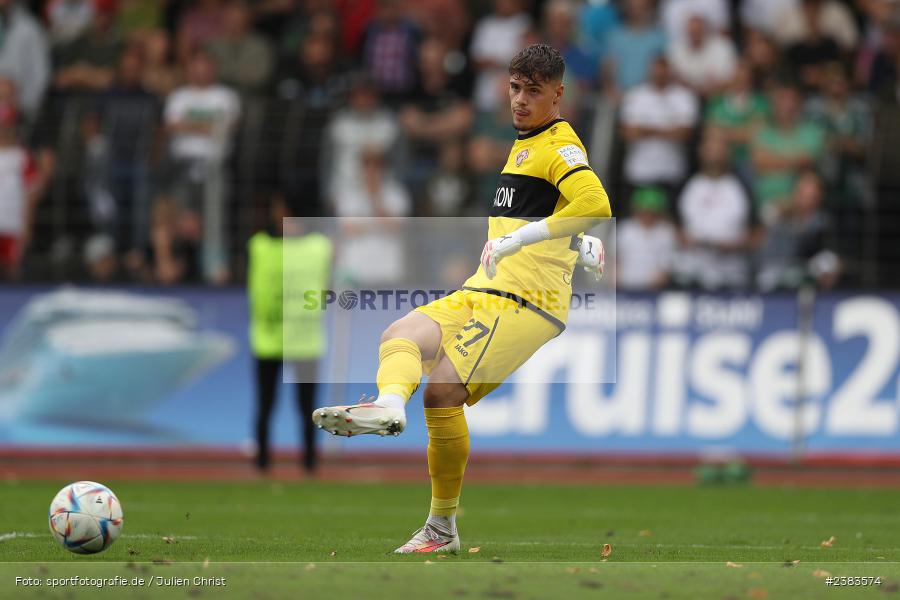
(200, 120)
(18, 193)
(658, 117)
(645, 243)
(763, 15)
(675, 14)
(67, 19)
(369, 215)
(831, 18)
(365, 123)
(24, 55)
(703, 59)
(715, 212)
(201, 115)
(496, 39)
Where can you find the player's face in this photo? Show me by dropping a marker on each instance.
(533, 103)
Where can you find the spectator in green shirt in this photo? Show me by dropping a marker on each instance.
(737, 113)
(783, 147)
(846, 120)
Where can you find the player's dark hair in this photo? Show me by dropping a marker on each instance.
(538, 63)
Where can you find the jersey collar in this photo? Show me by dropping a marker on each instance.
(539, 130)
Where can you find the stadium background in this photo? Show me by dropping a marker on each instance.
(741, 291)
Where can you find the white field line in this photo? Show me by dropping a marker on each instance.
(4, 537)
(700, 546)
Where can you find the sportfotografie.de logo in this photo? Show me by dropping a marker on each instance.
(399, 299)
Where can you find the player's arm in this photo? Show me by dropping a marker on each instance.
(588, 204)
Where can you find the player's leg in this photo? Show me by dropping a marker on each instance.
(306, 403)
(448, 453)
(266, 387)
(498, 338)
(404, 345)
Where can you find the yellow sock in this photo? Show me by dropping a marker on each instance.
(448, 452)
(400, 368)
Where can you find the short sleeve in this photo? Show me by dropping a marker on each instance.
(631, 108)
(686, 205)
(480, 47)
(173, 108)
(687, 109)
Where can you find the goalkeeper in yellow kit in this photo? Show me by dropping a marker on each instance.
(471, 340)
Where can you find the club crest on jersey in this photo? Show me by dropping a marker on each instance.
(521, 156)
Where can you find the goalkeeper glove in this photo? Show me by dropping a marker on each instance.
(505, 245)
(591, 255)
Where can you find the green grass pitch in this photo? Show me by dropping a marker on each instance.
(310, 540)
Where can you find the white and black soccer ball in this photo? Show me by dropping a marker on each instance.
(86, 517)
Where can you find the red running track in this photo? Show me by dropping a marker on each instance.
(867, 470)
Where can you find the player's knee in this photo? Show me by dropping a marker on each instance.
(444, 395)
(394, 330)
(419, 329)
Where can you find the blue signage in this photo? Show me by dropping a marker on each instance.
(656, 373)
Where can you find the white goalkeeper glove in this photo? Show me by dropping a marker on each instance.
(592, 255)
(496, 249)
(505, 245)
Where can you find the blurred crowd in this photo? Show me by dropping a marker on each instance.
(745, 144)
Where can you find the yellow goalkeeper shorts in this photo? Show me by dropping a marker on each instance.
(487, 334)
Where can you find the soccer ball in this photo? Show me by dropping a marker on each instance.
(86, 517)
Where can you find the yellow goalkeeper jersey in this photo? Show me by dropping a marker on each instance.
(538, 180)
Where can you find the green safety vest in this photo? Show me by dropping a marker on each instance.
(281, 271)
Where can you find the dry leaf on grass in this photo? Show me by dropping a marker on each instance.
(333, 553)
(607, 550)
(759, 593)
(828, 543)
(821, 573)
(170, 540)
(734, 565)
(645, 532)
(474, 549)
